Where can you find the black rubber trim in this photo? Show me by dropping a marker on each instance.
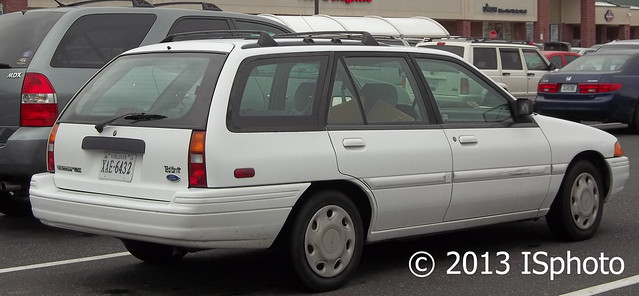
(114, 144)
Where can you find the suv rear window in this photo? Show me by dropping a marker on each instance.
(93, 40)
(169, 86)
(21, 35)
(458, 50)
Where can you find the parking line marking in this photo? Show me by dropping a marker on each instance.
(63, 262)
(594, 290)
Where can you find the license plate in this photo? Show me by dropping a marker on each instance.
(117, 166)
(569, 88)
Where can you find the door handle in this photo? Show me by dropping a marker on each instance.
(468, 140)
(531, 74)
(353, 143)
(505, 74)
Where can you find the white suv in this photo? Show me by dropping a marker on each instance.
(314, 144)
(517, 67)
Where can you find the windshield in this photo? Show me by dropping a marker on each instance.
(21, 35)
(169, 86)
(597, 62)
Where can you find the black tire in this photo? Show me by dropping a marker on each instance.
(153, 253)
(576, 212)
(14, 206)
(332, 219)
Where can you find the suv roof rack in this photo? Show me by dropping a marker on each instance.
(205, 5)
(134, 3)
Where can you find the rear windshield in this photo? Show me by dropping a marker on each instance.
(458, 50)
(619, 46)
(21, 35)
(597, 62)
(173, 90)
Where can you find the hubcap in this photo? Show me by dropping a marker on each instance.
(329, 241)
(584, 201)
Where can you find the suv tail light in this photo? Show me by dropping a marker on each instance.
(50, 149)
(39, 102)
(197, 164)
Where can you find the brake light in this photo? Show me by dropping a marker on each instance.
(441, 43)
(598, 87)
(50, 149)
(197, 164)
(464, 86)
(39, 105)
(547, 87)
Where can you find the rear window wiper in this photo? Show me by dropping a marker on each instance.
(129, 116)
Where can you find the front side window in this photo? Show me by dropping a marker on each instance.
(375, 90)
(534, 61)
(93, 40)
(280, 93)
(510, 59)
(461, 95)
(175, 90)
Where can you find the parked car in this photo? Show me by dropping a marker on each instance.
(599, 86)
(517, 67)
(313, 144)
(560, 58)
(619, 45)
(46, 55)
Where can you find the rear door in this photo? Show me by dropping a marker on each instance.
(127, 133)
(21, 35)
(383, 136)
(513, 73)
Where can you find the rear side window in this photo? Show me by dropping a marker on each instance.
(458, 50)
(280, 93)
(557, 61)
(93, 40)
(257, 26)
(21, 35)
(193, 24)
(485, 58)
(510, 59)
(175, 88)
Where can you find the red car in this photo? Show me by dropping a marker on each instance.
(560, 58)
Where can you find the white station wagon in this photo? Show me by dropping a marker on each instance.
(316, 144)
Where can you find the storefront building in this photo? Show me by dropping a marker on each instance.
(579, 22)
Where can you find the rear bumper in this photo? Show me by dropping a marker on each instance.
(607, 108)
(24, 153)
(248, 217)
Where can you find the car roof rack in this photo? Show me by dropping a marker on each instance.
(212, 34)
(134, 3)
(205, 5)
(336, 36)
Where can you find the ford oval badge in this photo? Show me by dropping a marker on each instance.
(173, 178)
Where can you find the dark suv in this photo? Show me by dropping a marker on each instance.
(46, 55)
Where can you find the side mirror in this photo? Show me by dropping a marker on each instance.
(552, 67)
(523, 107)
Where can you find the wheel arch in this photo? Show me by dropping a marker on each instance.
(354, 192)
(599, 162)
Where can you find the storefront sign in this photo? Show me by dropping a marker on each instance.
(495, 9)
(609, 16)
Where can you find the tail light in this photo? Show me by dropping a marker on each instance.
(548, 87)
(50, 149)
(589, 88)
(39, 102)
(197, 164)
(464, 86)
